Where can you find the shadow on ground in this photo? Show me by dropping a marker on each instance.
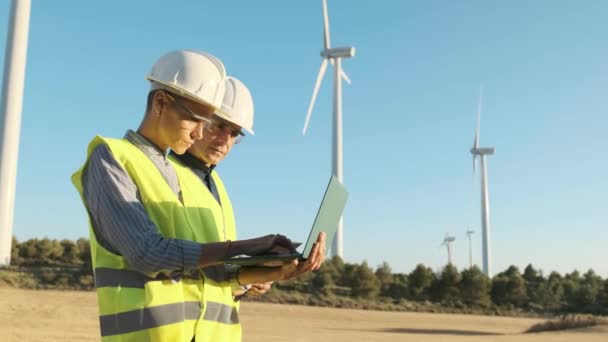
(454, 332)
(440, 332)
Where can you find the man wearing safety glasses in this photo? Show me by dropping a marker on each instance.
(221, 134)
(151, 230)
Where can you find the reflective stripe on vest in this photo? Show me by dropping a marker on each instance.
(221, 313)
(152, 317)
(147, 318)
(110, 277)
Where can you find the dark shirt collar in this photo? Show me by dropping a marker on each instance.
(192, 162)
(147, 147)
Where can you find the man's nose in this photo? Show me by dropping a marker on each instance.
(198, 131)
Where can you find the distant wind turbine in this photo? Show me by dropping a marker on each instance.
(447, 242)
(334, 56)
(469, 234)
(481, 153)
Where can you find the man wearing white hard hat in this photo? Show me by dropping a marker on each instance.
(224, 131)
(150, 230)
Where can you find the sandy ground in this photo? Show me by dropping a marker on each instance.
(72, 316)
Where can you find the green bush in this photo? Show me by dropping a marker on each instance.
(48, 276)
(86, 281)
(567, 322)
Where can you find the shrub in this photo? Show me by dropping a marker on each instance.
(566, 322)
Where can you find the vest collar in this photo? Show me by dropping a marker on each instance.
(192, 162)
(145, 145)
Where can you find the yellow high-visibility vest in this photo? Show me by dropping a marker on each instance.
(218, 296)
(152, 307)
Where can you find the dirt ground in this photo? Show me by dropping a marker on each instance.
(72, 316)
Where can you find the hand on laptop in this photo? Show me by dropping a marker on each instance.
(289, 270)
(315, 259)
(261, 245)
(213, 253)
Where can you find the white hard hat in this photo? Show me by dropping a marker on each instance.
(196, 75)
(237, 106)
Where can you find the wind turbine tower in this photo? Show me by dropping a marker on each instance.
(10, 118)
(333, 56)
(447, 242)
(481, 153)
(469, 234)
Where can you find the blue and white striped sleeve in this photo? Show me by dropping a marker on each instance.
(121, 224)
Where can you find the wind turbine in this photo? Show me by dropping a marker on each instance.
(447, 242)
(481, 153)
(469, 234)
(10, 119)
(334, 56)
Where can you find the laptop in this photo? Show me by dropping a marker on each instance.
(328, 217)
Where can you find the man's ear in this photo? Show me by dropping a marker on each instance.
(159, 100)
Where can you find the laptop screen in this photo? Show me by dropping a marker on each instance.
(329, 214)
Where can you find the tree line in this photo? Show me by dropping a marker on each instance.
(67, 264)
(470, 288)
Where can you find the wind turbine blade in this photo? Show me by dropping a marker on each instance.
(474, 168)
(314, 94)
(325, 26)
(343, 73)
(345, 77)
(476, 143)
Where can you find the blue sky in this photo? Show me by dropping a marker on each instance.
(409, 118)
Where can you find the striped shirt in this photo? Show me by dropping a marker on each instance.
(120, 222)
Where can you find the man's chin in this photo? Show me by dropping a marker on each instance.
(213, 158)
(214, 154)
(180, 149)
